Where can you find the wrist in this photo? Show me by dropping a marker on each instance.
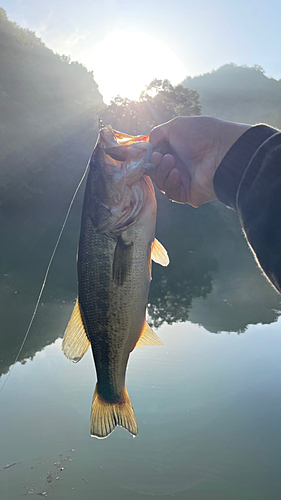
(235, 162)
(229, 133)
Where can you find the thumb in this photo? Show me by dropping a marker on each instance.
(161, 133)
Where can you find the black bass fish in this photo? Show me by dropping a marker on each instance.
(117, 243)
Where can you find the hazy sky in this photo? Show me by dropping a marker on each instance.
(129, 43)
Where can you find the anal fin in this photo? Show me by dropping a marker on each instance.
(75, 341)
(148, 337)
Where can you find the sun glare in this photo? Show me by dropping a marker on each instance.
(125, 62)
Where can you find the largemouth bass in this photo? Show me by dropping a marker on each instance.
(117, 243)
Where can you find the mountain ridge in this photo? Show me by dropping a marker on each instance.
(239, 93)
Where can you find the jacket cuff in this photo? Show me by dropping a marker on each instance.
(233, 166)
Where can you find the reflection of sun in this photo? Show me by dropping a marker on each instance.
(124, 62)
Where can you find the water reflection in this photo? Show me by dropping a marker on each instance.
(203, 423)
(212, 280)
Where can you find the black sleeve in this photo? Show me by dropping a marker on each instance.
(249, 180)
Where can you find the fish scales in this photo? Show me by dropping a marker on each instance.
(114, 272)
(108, 308)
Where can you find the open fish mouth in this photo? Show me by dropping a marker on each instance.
(123, 148)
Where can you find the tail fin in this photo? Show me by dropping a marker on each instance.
(105, 416)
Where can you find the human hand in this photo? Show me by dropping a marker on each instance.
(198, 145)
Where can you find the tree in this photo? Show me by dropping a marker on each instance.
(158, 103)
(257, 67)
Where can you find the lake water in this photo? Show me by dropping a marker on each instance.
(208, 402)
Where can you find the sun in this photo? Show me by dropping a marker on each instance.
(125, 62)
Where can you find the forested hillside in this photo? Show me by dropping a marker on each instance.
(239, 93)
(45, 100)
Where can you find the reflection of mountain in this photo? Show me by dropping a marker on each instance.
(213, 279)
(239, 93)
(240, 294)
(28, 241)
(30, 220)
(16, 310)
(234, 304)
(183, 230)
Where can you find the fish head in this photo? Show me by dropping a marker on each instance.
(118, 184)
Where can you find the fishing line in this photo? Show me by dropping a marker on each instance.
(45, 277)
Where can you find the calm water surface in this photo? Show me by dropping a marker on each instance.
(208, 404)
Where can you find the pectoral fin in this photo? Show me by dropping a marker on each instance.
(75, 341)
(122, 261)
(159, 253)
(148, 337)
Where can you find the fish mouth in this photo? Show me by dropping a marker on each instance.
(110, 137)
(123, 147)
(118, 165)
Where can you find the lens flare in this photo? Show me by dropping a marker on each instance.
(125, 62)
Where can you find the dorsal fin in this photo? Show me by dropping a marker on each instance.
(148, 337)
(159, 254)
(75, 341)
